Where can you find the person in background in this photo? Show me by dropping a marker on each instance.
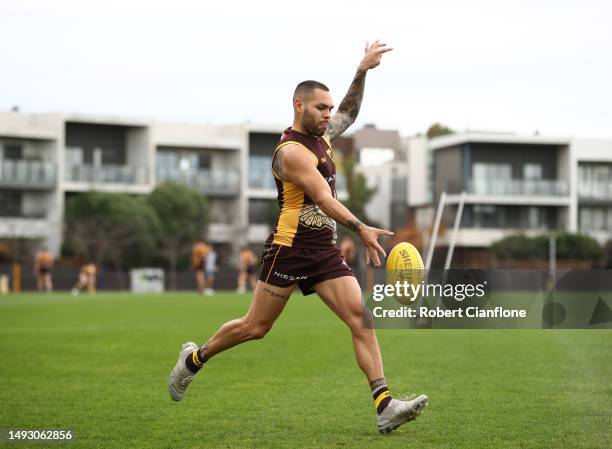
(348, 251)
(248, 268)
(87, 279)
(43, 265)
(199, 252)
(211, 268)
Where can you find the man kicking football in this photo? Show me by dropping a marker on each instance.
(302, 249)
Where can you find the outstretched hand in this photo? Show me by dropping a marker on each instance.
(373, 54)
(369, 237)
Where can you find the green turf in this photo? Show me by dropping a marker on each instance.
(99, 365)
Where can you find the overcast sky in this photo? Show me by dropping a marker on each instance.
(484, 65)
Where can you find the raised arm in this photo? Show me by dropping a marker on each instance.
(296, 165)
(351, 103)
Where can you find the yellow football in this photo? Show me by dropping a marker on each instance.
(404, 263)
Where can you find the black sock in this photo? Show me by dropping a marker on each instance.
(380, 394)
(193, 361)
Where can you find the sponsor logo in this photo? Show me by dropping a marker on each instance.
(288, 277)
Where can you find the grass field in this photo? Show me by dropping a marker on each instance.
(99, 365)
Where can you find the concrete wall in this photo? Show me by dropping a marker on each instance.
(417, 155)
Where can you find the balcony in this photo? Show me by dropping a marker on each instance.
(27, 174)
(518, 187)
(261, 177)
(106, 174)
(595, 191)
(29, 226)
(210, 182)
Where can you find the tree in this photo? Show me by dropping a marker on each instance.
(182, 214)
(359, 194)
(437, 129)
(110, 228)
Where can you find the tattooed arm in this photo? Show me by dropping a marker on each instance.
(351, 103)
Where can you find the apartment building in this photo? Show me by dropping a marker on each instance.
(512, 183)
(528, 184)
(47, 158)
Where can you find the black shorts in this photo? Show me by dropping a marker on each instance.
(251, 268)
(44, 270)
(283, 266)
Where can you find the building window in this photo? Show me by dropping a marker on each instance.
(489, 171)
(595, 218)
(491, 179)
(260, 172)
(532, 171)
(262, 211)
(188, 161)
(595, 181)
(10, 203)
(13, 152)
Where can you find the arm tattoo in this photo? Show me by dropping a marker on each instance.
(349, 107)
(274, 294)
(277, 165)
(354, 225)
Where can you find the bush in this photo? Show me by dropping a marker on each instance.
(577, 247)
(569, 247)
(517, 247)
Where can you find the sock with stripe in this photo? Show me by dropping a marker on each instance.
(380, 394)
(195, 361)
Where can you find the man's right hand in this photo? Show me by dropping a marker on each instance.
(369, 236)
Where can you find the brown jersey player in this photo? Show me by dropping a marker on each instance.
(43, 265)
(199, 251)
(247, 270)
(302, 252)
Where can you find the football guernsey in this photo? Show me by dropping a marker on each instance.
(301, 223)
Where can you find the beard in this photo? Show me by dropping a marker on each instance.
(312, 127)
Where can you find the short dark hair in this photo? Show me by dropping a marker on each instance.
(308, 86)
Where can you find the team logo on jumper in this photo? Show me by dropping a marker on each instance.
(315, 218)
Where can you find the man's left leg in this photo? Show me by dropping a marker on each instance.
(343, 296)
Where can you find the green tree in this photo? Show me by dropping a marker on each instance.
(182, 213)
(437, 129)
(110, 228)
(359, 194)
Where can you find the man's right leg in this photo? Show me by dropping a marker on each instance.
(267, 304)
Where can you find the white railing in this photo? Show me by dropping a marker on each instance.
(26, 172)
(206, 181)
(545, 187)
(106, 173)
(595, 191)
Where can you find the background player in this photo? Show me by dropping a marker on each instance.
(199, 251)
(43, 265)
(302, 252)
(87, 279)
(247, 270)
(211, 269)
